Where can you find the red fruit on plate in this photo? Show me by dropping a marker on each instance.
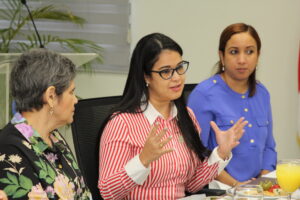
(275, 189)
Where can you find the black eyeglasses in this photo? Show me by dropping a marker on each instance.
(181, 68)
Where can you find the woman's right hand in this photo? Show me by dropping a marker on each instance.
(244, 182)
(154, 146)
(3, 195)
(228, 139)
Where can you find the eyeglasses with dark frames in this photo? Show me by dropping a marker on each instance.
(167, 74)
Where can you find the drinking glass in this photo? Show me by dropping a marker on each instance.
(248, 192)
(288, 175)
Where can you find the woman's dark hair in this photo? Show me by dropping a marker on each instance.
(34, 72)
(227, 33)
(144, 56)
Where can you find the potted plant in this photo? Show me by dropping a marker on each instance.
(15, 37)
(18, 18)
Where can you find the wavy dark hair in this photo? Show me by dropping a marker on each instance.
(227, 33)
(144, 56)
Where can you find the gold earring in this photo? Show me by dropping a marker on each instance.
(51, 110)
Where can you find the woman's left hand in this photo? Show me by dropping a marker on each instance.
(229, 139)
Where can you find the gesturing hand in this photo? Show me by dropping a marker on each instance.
(229, 139)
(154, 146)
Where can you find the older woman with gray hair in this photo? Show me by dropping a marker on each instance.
(35, 160)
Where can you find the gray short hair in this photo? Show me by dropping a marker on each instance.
(34, 72)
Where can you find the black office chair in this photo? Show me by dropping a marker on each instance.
(188, 88)
(88, 117)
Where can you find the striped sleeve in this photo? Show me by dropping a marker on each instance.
(203, 175)
(115, 153)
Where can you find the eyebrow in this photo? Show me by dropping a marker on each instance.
(233, 47)
(169, 66)
(164, 67)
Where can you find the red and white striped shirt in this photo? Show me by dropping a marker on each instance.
(168, 177)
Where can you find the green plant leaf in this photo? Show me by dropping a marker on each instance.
(51, 172)
(2, 31)
(11, 189)
(12, 178)
(22, 46)
(44, 165)
(61, 16)
(25, 182)
(37, 149)
(49, 180)
(54, 13)
(11, 7)
(20, 193)
(46, 172)
(74, 164)
(5, 181)
(5, 14)
(42, 146)
(42, 174)
(38, 163)
(69, 155)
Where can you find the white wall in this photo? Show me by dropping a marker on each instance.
(196, 26)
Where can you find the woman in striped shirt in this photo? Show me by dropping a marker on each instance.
(150, 146)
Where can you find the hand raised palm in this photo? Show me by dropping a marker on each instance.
(229, 139)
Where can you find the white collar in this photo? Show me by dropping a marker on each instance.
(151, 113)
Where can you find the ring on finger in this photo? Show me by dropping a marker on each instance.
(161, 145)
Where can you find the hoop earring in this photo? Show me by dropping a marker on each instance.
(51, 110)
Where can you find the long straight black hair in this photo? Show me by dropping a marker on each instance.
(144, 56)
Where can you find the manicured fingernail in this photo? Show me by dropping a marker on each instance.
(165, 129)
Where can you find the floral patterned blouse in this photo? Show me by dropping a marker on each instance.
(31, 169)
